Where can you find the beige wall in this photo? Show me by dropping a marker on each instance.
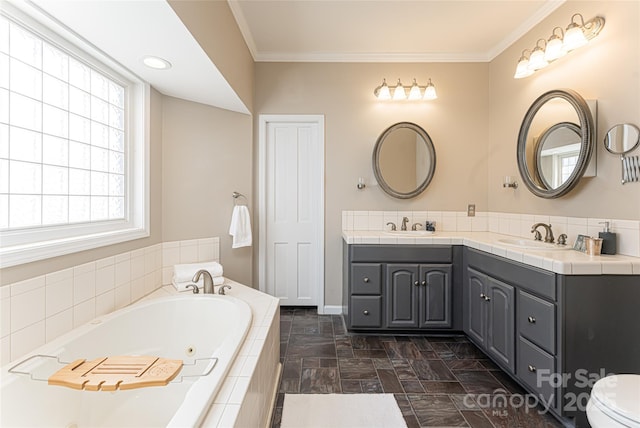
(212, 24)
(457, 123)
(206, 156)
(30, 270)
(607, 70)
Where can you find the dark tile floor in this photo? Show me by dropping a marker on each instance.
(437, 381)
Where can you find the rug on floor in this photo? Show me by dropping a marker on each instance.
(341, 411)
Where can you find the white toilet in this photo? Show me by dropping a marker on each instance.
(615, 402)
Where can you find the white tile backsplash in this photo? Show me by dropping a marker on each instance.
(628, 231)
(40, 309)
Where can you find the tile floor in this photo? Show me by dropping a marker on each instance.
(437, 381)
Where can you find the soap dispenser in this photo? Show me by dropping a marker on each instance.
(609, 239)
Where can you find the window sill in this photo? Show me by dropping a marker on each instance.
(20, 254)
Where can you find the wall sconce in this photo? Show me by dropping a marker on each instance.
(557, 46)
(400, 92)
(361, 185)
(509, 182)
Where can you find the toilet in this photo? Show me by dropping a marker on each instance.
(615, 402)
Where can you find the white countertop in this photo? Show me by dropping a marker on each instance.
(566, 262)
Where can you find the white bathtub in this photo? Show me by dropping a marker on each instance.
(179, 327)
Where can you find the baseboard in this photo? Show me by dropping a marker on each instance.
(332, 310)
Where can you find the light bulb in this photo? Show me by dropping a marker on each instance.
(399, 93)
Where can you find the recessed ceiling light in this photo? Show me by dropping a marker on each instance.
(156, 63)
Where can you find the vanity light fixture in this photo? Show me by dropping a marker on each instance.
(577, 34)
(400, 92)
(156, 63)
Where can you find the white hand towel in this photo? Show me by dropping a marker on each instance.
(182, 286)
(185, 272)
(240, 227)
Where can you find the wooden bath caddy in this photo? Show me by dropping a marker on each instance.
(112, 373)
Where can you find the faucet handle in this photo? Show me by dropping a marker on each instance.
(562, 239)
(415, 226)
(196, 290)
(221, 289)
(393, 225)
(537, 235)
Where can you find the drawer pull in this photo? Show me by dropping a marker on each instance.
(531, 368)
(532, 320)
(366, 279)
(367, 313)
(416, 283)
(424, 282)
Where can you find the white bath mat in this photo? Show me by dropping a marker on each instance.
(341, 411)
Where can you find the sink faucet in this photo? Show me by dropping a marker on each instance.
(208, 281)
(405, 220)
(548, 234)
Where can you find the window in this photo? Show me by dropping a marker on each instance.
(72, 147)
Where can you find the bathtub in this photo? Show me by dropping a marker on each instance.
(194, 328)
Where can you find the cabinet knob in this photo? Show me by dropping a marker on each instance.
(366, 279)
(532, 368)
(416, 283)
(365, 312)
(532, 320)
(482, 296)
(487, 298)
(424, 283)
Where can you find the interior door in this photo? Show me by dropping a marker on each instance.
(292, 209)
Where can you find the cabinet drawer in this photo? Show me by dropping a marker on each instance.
(535, 368)
(366, 311)
(536, 321)
(366, 278)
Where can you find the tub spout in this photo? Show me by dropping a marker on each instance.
(208, 281)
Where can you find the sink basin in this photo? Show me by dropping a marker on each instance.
(408, 233)
(527, 244)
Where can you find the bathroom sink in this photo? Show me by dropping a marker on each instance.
(527, 244)
(408, 233)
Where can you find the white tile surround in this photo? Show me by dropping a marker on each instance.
(503, 223)
(37, 310)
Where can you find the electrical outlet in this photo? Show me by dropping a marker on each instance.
(471, 210)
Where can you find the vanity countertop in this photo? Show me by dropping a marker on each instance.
(566, 262)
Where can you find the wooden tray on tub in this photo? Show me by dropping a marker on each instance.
(112, 373)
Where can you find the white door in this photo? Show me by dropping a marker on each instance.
(292, 209)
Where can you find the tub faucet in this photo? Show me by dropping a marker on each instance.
(548, 234)
(405, 220)
(208, 281)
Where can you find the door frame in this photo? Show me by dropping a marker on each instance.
(263, 120)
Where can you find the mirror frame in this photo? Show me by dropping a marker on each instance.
(587, 143)
(376, 164)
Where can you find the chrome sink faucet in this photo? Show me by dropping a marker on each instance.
(548, 233)
(405, 220)
(208, 281)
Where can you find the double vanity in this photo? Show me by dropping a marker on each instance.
(556, 320)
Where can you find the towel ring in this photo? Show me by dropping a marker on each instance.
(237, 195)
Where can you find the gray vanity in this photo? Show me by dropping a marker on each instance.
(554, 334)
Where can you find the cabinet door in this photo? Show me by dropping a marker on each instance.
(474, 315)
(435, 296)
(402, 288)
(501, 319)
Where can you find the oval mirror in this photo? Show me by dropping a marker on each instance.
(622, 139)
(555, 143)
(404, 160)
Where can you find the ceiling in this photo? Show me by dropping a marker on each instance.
(295, 30)
(385, 30)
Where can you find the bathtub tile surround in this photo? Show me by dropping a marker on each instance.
(38, 310)
(504, 223)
